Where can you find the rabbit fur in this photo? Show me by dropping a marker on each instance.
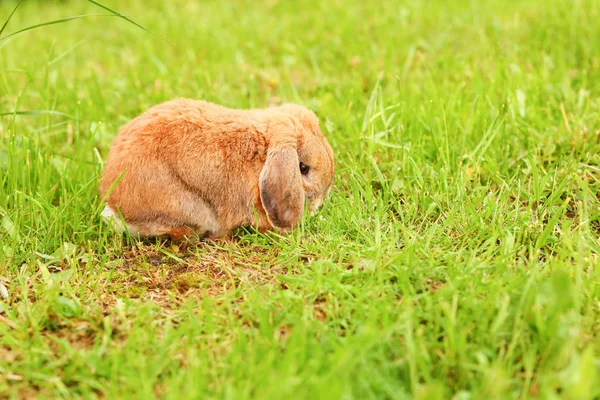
(188, 167)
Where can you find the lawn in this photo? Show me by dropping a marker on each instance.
(456, 257)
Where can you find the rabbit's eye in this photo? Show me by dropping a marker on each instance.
(304, 169)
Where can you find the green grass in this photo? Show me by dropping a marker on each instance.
(457, 257)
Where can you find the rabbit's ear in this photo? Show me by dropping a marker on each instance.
(281, 190)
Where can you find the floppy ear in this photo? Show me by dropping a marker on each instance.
(281, 190)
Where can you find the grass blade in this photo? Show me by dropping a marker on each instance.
(118, 14)
(9, 17)
(37, 112)
(56, 21)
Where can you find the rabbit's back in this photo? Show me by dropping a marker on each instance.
(185, 162)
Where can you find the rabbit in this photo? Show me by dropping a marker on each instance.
(189, 167)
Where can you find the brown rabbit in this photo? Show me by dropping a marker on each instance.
(192, 167)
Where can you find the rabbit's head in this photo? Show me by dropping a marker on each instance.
(299, 169)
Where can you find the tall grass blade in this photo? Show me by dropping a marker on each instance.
(37, 112)
(56, 21)
(10, 16)
(118, 14)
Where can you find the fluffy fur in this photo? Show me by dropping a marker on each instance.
(189, 166)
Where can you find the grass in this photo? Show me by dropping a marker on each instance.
(457, 257)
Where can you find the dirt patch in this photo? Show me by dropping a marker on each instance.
(80, 335)
(433, 286)
(320, 309)
(8, 355)
(169, 273)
